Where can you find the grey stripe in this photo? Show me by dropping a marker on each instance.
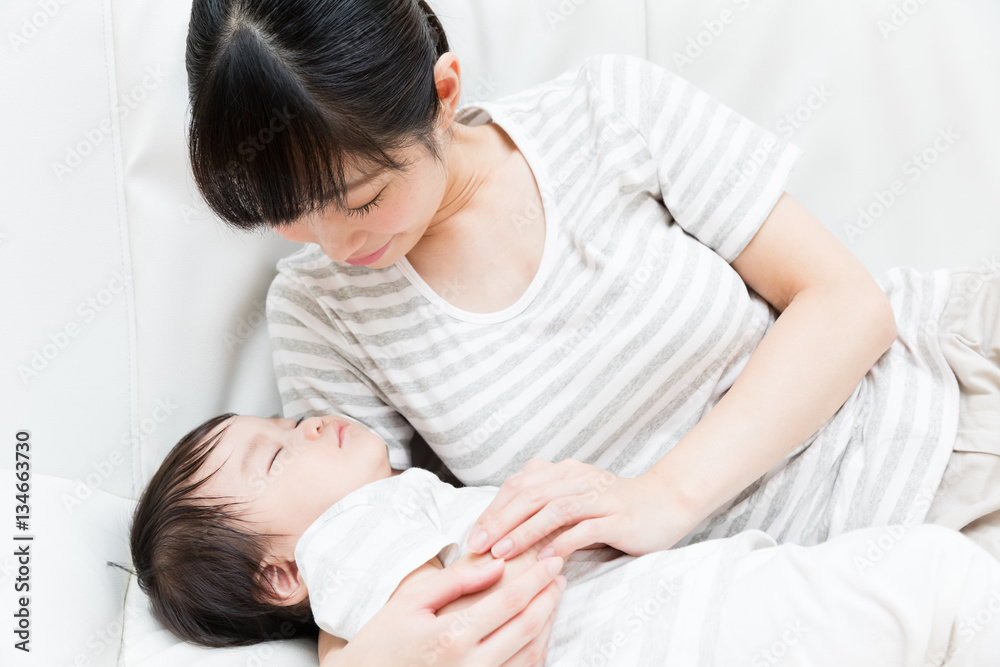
(341, 295)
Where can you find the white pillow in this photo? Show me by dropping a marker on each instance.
(146, 643)
(74, 595)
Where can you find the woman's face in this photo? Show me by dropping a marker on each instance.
(387, 213)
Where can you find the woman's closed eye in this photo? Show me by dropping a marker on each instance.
(362, 211)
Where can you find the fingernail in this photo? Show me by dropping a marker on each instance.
(502, 547)
(477, 539)
(561, 582)
(555, 565)
(546, 552)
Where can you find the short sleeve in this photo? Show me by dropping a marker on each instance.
(316, 372)
(719, 173)
(354, 557)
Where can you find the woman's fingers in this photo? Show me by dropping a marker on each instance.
(523, 641)
(580, 536)
(507, 620)
(487, 528)
(535, 652)
(561, 511)
(519, 498)
(434, 592)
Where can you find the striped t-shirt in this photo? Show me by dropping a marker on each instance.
(633, 328)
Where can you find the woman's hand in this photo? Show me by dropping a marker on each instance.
(507, 626)
(635, 515)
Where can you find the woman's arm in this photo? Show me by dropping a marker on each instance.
(834, 325)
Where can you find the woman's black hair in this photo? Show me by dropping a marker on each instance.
(200, 563)
(286, 95)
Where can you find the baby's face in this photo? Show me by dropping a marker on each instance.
(288, 474)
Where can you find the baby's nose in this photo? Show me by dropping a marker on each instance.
(313, 428)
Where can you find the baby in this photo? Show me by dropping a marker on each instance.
(214, 535)
(257, 528)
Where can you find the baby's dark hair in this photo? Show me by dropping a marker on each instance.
(200, 561)
(286, 95)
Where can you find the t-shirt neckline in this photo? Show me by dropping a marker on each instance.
(533, 161)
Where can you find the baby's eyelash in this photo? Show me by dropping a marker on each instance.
(301, 419)
(269, 465)
(367, 208)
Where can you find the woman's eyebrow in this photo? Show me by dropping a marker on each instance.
(365, 179)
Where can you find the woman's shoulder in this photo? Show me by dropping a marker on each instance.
(618, 79)
(586, 73)
(298, 275)
(622, 78)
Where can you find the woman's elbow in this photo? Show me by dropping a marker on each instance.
(879, 316)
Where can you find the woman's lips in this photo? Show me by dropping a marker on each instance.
(369, 259)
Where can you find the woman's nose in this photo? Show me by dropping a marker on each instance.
(337, 244)
(299, 233)
(342, 248)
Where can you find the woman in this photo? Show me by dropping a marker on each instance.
(589, 272)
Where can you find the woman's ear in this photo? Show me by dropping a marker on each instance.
(283, 576)
(448, 81)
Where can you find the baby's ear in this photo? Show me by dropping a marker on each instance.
(281, 575)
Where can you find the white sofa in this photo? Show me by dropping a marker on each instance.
(129, 313)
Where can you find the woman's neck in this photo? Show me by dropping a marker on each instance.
(472, 157)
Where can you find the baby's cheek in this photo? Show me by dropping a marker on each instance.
(258, 483)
